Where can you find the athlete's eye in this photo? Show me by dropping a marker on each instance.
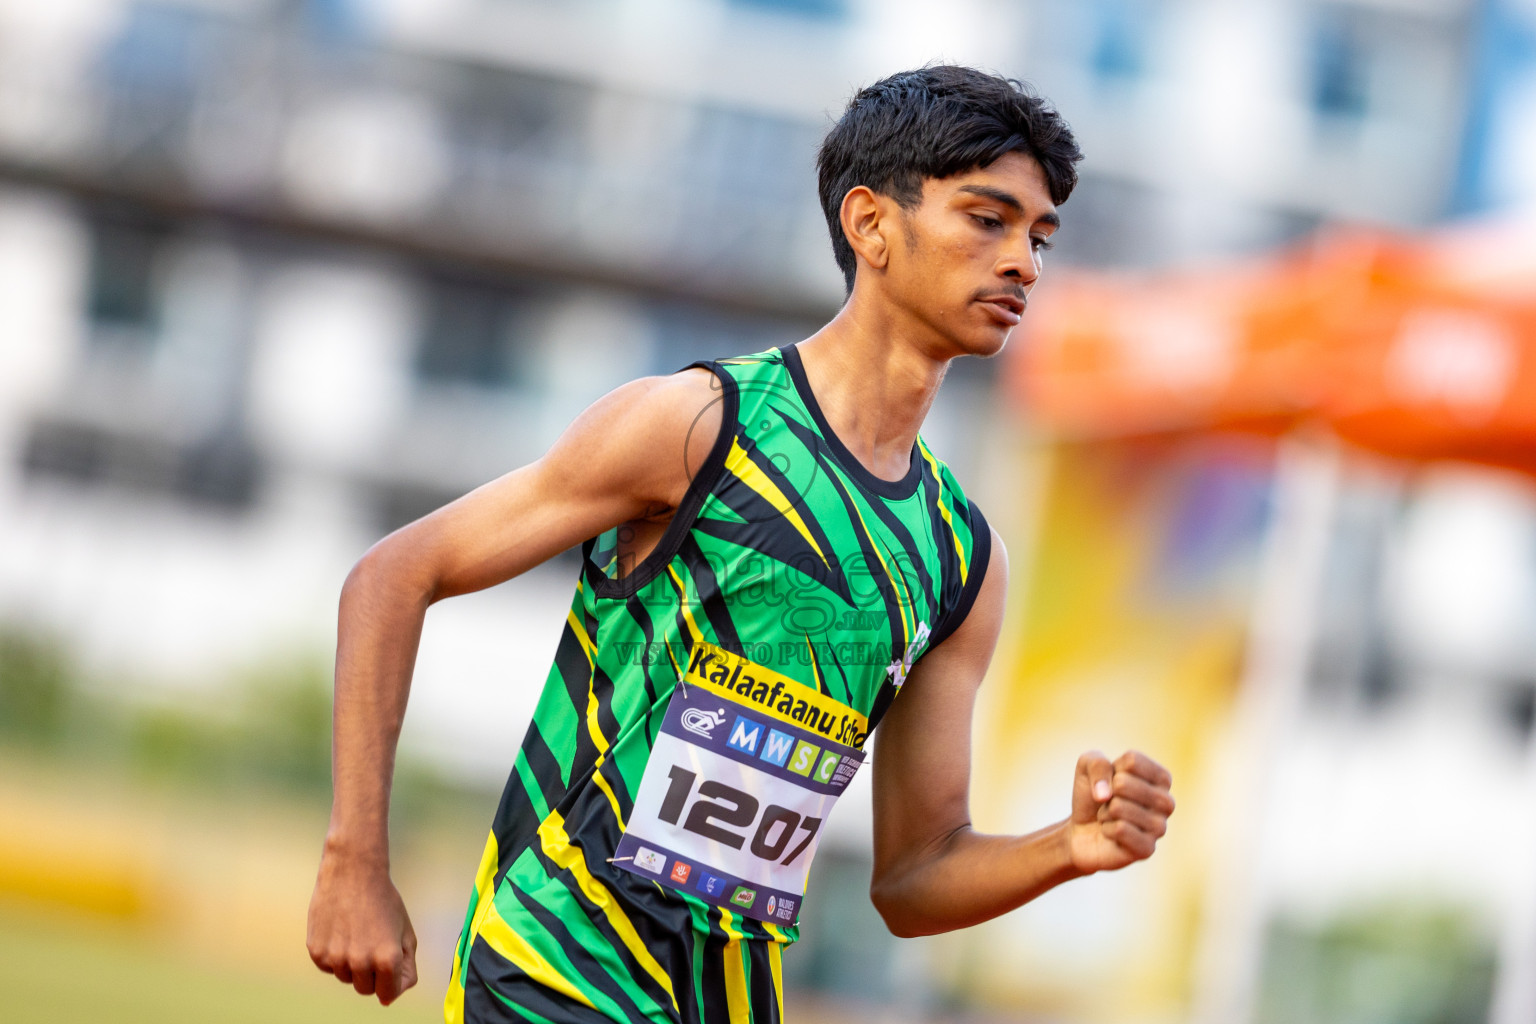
(990, 223)
(1042, 244)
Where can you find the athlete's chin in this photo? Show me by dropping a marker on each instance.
(972, 335)
(986, 342)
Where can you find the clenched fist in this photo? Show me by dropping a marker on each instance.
(1119, 810)
(359, 930)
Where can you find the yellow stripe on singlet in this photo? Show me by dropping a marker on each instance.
(598, 739)
(498, 934)
(580, 632)
(750, 473)
(815, 668)
(899, 588)
(682, 603)
(776, 965)
(737, 1002)
(943, 508)
(489, 925)
(602, 784)
(558, 848)
(581, 636)
(593, 707)
(903, 588)
(485, 880)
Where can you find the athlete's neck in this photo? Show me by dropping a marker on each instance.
(873, 389)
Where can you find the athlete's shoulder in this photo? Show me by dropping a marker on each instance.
(663, 404)
(767, 357)
(756, 368)
(648, 437)
(713, 381)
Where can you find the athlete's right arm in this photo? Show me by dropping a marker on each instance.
(630, 455)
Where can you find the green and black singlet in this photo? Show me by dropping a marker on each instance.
(786, 556)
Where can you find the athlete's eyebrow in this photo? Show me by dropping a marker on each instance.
(1009, 200)
(988, 192)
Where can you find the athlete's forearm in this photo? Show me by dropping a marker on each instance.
(969, 877)
(383, 604)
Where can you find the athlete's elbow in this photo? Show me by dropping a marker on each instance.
(901, 927)
(903, 918)
(389, 571)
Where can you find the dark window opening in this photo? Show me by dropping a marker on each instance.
(1340, 72)
(1519, 706)
(221, 471)
(123, 301)
(475, 333)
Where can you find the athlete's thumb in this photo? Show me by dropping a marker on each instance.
(408, 971)
(1092, 786)
(408, 961)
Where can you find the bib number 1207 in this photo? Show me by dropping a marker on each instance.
(718, 806)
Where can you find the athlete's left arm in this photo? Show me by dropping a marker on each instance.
(933, 871)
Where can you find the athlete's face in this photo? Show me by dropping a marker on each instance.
(970, 253)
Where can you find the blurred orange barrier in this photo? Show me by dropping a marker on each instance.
(1399, 346)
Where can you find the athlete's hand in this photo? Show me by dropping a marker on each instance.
(359, 930)
(1119, 810)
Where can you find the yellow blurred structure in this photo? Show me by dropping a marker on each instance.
(1126, 630)
(126, 902)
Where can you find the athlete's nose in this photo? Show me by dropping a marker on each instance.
(1020, 267)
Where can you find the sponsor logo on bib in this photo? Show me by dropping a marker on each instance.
(743, 896)
(826, 766)
(702, 722)
(650, 860)
(804, 758)
(777, 746)
(680, 872)
(745, 734)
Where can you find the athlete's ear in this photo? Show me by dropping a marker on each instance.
(866, 217)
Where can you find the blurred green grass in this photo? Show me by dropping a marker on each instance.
(263, 728)
(1401, 962)
(75, 970)
(154, 834)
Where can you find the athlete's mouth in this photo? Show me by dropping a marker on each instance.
(1007, 308)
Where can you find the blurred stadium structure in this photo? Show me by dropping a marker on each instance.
(277, 276)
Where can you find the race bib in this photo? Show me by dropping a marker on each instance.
(743, 773)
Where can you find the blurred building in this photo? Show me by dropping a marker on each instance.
(1497, 167)
(330, 263)
(281, 275)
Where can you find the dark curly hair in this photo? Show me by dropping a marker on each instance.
(931, 123)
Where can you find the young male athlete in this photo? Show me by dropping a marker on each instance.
(774, 564)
